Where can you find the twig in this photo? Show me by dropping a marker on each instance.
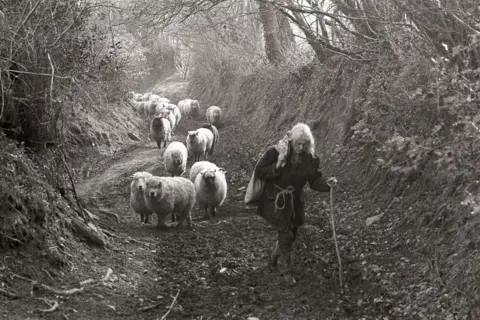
(52, 303)
(8, 294)
(171, 306)
(153, 306)
(110, 234)
(48, 288)
(53, 77)
(72, 182)
(332, 220)
(28, 16)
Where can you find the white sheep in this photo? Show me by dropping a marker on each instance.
(189, 107)
(167, 114)
(200, 142)
(199, 166)
(137, 201)
(176, 195)
(216, 136)
(160, 131)
(164, 100)
(145, 96)
(160, 106)
(176, 111)
(214, 116)
(134, 96)
(210, 189)
(175, 158)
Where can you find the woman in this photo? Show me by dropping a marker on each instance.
(286, 168)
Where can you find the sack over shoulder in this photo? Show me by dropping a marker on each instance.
(254, 190)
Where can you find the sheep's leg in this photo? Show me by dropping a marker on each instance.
(165, 142)
(161, 221)
(206, 213)
(142, 217)
(159, 144)
(213, 211)
(146, 218)
(173, 217)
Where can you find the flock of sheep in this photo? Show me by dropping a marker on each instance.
(177, 195)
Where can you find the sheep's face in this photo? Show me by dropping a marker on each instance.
(216, 115)
(153, 188)
(157, 122)
(192, 136)
(177, 159)
(209, 177)
(140, 184)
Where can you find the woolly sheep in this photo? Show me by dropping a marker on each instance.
(200, 142)
(216, 136)
(175, 158)
(167, 114)
(145, 96)
(210, 189)
(199, 166)
(160, 131)
(164, 100)
(214, 116)
(160, 106)
(137, 201)
(195, 108)
(176, 195)
(176, 111)
(134, 96)
(189, 107)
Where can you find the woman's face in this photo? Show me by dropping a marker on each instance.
(300, 145)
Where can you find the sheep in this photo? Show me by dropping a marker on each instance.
(134, 96)
(175, 158)
(167, 114)
(214, 116)
(164, 100)
(210, 189)
(176, 195)
(157, 98)
(160, 131)
(160, 106)
(189, 107)
(145, 96)
(176, 111)
(200, 142)
(216, 136)
(137, 201)
(195, 108)
(199, 166)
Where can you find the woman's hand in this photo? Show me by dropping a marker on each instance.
(332, 182)
(282, 149)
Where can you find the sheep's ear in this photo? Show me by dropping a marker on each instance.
(289, 135)
(196, 133)
(222, 170)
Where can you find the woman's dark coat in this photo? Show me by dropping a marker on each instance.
(294, 175)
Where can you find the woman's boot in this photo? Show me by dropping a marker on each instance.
(273, 256)
(288, 275)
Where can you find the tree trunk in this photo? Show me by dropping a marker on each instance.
(287, 40)
(273, 46)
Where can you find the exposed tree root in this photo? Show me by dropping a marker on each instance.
(9, 294)
(52, 303)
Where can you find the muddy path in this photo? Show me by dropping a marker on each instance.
(218, 269)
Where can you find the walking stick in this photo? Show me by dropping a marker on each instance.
(332, 220)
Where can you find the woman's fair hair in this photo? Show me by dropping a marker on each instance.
(302, 131)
